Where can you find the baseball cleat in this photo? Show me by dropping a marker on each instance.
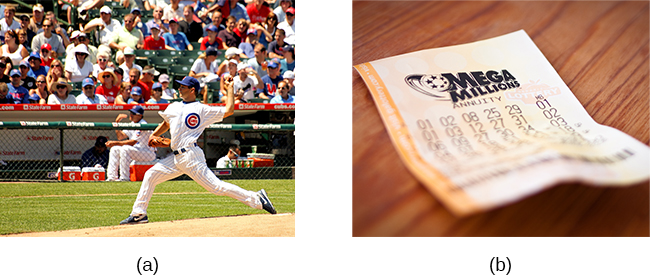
(136, 219)
(266, 202)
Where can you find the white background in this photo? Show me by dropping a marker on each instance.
(323, 244)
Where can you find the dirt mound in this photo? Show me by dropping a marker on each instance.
(280, 225)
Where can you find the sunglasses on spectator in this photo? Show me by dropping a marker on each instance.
(102, 59)
(106, 76)
(45, 51)
(40, 81)
(46, 26)
(88, 87)
(61, 86)
(56, 66)
(290, 14)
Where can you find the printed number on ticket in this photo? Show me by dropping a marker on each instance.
(487, 123)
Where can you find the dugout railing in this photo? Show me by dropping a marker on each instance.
(36, 150)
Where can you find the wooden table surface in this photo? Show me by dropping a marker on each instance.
(600, 49)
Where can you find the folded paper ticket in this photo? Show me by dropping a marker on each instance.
(490, 122)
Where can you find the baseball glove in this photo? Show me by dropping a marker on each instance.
(159, 142)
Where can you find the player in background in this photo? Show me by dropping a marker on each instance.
(186, 121)
(132, 145)
(233, 154)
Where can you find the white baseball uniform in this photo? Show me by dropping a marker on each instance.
(186, 123)
(121, 156)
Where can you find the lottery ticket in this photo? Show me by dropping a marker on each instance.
(487, 123)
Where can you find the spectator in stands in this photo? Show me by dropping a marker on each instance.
(34, 99)
(35, 65)
(3, 78)
(40, 90)
(12, 48)
(172, 11)
(230, 7)
(56, 28)
(228, 35)
(101, 65)
(55, 41)
(125, 93)
(134, 79)
(259, 62)
(283, 93)
(230, 72)
(269, 26)
(175, 39)
(26, 74)
(248, 46)
(241, 30)
(154, 4)
(107, 27)
(97, 155)
(136, 96)
(55, 72)
(119, 77)
(17, 92)
(157, 19)
(233, 154)
(281, 11)
(85, 5)
(139, 24)
(247, 82)
(155, 41)
(5, 97)
(25, 35)
(36, 22)
(189, 26)
(46, 57)
(74, 39)
(204, 69)
(92, 50)
(271, 81)
(129, 63)
(156, 95)
(80, 68)
(275, 47)
(289, 61)
(9, 63)
(290, 77)
(107, 89)
(8, 22)
(168, 92)
(147, 76)
(216, 22)
(88, 96)
(231, 53)
(289, 26)
(212, 40)
(129, 36)
(61, 93)
(257, 11)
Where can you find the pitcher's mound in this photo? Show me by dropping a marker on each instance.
(280, 225)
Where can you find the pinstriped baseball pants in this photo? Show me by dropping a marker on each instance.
(192, 163)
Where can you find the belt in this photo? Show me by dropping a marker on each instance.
(183, 150)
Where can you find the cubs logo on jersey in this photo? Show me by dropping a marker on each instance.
(192, 121)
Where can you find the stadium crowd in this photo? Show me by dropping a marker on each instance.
(101, 59)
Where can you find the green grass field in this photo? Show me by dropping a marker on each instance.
(39, 207)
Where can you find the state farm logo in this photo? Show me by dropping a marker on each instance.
(528, 92)
(39, 138)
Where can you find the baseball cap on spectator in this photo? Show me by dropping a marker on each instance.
(87, 81)
(136, 8)
(24, 63)
(241, 66)
(191, 83)
(232, 51)
(251, 31)
(119, 71)
(288, 48)
(34, 97)
(272, 64)
(105, 9)
(163, 78)
(24, 17)
(75, 34)
(101, 141)
(156, 85)
(137, 110)
(151, 71)
(212, 28)
(289, 75)
(129, 51)
(173, 20)
(35, 55)
(14, 72)
(291, 11)
(38, 8)
(234, 61)
(211, 51)
(81, 48)
(155, 26)
(46, 46)
(136, 90)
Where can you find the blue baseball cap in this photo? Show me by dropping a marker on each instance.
(272, 64)
(211, 51)
(156, 86)
(136, 90)
(87, 81)
(34, 97)
(137, 109)
(192, 83)
(34, 55)
(14, 72)
(212, 28)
